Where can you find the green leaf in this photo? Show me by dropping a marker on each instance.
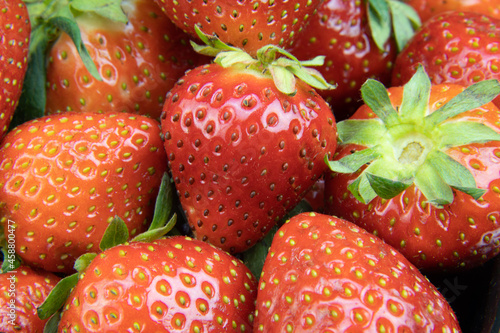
(473, 97)
(51, 326)
(109, 9)
(405, 21)
(458, 133)
(363, 132)
(283, 79)
(311, 76)
(164, 202)
(376, 97)
(351, 163)
(33, 98)
(362, 190)
(454, 174)
(384, 187)
(229, 58)
(116, 233)
(154, 234)
(429, 181)
(416, 94)
(67, 23)
(379, 22)
(83, 261)
(316, 61)
(57, 296)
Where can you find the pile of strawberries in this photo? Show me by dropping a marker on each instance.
(245, 166)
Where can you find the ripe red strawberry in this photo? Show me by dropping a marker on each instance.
(353, 43)
(247, 24)
(64, 177)
(420, 168)
(15, 29)
(455, 47)
(241, 152)
(168, 285)
(138, 53)
(324, 274)
(22, 291)
(429, 8)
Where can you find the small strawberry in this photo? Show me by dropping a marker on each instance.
(15, 29)
(419, 167)
(120, 57)
(455, 47)
(64, 177)
(358, 43)
(175, 283)
(324, 274)
(22, 291)
(429, 8)
(246, 24)
(241, 151)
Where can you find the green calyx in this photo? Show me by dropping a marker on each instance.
(271, 60)
(395, 18)
(405, 146)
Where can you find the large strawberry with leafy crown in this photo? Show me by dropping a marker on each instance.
(324, 274)
(15, 29)
(247, 24)
(454, 47)
(360, 40)
(245, 140)
(63, 178)
(22, 291)
(419, 166)
(121, 56)
(429, 8)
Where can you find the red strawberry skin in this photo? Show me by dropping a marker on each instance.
(241, 153)
(138, 61)
(15, 29)
(454, 47)
(459, 236)
(324, 274)
(339, 31)
(64, 177)
(28, 288)
(429, 8)
(172, 284)
(247, 24)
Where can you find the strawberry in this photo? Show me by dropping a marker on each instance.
(418, 167)
(120, 57)
(243, 148)
(429, 8)
(22, 291)
(249, 24)
(63, 178)
(15, 29)
(355, 38)
(324, 274)
(455, 47)
(175, 283)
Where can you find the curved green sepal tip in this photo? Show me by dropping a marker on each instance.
(57, 296)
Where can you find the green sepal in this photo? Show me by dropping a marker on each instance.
(83, 261)
(9, 263)
(458, 133)
(108, 9)
(472, 97)
(351, 163)
(379, 22)
(429, 181)
(376, 97)
(230, 58)
(416, 94)
(310, 76)
(361, 189)
(362, 131)
(454, 174)
(57, 296)
(213, 45)
(384, 187)
(116, 233)
(283, 79)
(405, 21)
(154, 234)
(52, 325)
(163, 204)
